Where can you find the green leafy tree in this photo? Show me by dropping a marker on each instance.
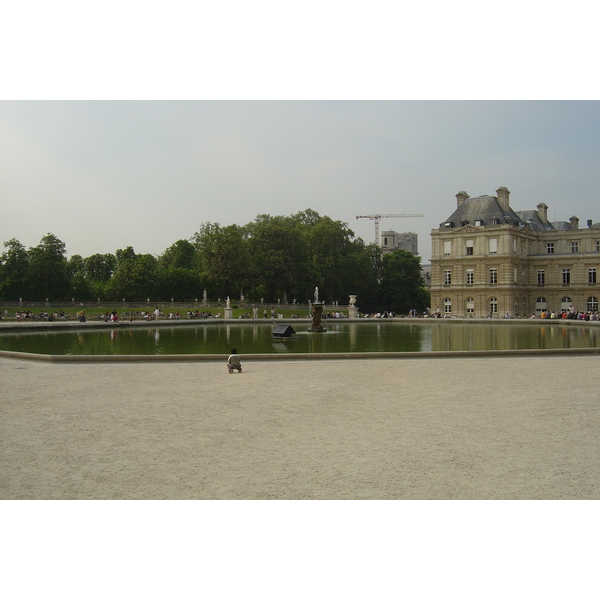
(223, 256)
(144, 282)
(279, 258)
(120, 284)
(81, 287)
(180, 284)
(14, 272)
(49, 269)
(181, 255)
(332, 248)
(362, 273)
(402, 287)
(99, 268)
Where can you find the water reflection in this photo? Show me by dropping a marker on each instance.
(251, 338)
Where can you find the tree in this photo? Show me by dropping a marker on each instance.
(402, 287)
(119, 285)
(81, 287)
(180, 284)
(100, 267)
(181, 255)
(49, 269)
(223, 258)
(331, 244)
(14, 272)
(280, 258)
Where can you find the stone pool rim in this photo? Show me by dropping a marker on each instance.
(101, 358)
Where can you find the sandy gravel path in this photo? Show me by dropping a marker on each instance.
(481, 428)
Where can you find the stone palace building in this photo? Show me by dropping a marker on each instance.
(488, 260)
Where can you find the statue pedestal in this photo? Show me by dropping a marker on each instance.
(228, 313)
(316, 312)
(352, 312)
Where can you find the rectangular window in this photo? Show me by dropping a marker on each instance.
(493, 245)
(447, 277)
(574, 246)
(597, 245)
(493, 276)
(541, 277)
(566, 276)
(470, 277)
(515, 275)
(550, 248)
(447, 248)
(469, 247)
(592, 275)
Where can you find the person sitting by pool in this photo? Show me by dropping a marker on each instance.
(234, 362)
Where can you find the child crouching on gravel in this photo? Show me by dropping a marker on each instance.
(234, 362)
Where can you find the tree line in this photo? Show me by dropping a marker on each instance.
(273, 258)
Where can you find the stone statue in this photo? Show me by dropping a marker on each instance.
(228, 303)
(316, 318)
(316, 294)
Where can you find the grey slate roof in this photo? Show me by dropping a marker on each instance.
(533, 221)
(482, 208)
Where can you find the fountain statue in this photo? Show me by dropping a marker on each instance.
(228, 309)
(316, 311)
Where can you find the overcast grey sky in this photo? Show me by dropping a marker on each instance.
(103, 175)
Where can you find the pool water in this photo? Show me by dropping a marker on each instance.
(344, 336)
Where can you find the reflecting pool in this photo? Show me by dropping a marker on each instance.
(255, 338)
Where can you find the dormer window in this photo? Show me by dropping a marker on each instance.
(494, 222)
(448, 224)
(478, 222)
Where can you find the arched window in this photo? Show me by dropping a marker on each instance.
(470, 306)
(592, 304)
(540, 304)
(565, 302)
(493, 305)
(447, 305)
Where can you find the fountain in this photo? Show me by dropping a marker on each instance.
(316, 312)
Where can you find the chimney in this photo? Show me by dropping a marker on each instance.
(542, 210)
(460, 198)
(574, 222)
(503, 195)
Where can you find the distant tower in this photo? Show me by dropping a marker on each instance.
(392, 240)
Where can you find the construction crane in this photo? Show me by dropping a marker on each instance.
(377, 218)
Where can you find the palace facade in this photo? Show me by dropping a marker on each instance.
(488, 260)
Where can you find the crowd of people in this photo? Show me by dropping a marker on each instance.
(572, 314)
(27, 315)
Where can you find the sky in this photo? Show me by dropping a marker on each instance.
(103, 175)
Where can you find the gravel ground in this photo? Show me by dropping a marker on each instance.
(476, 428)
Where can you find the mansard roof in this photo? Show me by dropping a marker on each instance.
(532, 219)
(482, 208)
